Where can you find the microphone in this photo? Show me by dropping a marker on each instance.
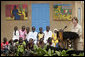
(65, 27)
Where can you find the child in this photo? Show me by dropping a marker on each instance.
(54, 38)
(21, 45)
(40, 34)
(11, 47)
(15, 33)
(41, 43)
(47, 33)
(4, 46)
(22, 33)
(33, 35)
(30, 44)
(27, 34)
(49, 42)
(29, 47)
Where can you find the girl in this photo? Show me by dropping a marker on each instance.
(15, 33)
(22, 33)
(54, 38)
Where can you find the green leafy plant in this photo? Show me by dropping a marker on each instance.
(43, 52)
(80, 54)
(62, 53)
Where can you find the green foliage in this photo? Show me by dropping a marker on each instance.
(81, 54)
(43, 52)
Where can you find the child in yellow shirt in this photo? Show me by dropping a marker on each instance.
(54, 37)
(40, 34)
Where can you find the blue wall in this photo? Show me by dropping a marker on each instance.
(40, 16)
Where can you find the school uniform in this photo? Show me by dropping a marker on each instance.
(22, 34)
(40, 35)
(15, 36)
(33, 35)
(47, 35)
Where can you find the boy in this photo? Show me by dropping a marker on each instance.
(47, 33)
(40, 34)
(33, 35)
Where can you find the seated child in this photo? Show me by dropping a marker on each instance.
(41, 43)
(21, 45)
(11, 47)
(30, 44)
(49, 42)
(4, 46)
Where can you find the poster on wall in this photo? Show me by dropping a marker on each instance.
(62, 12)
(16, 11)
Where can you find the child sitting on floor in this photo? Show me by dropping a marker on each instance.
(49, 42)
(11, 47)
(4, 46)
(21, 45)
(41, 43)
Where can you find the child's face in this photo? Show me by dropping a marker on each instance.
(21, 40)
(33, 29)
(31, 41)
(4, 40)
(27, 29)
(23, 28)
(16, 28)
(47, 28)
(55, 31)
(40, 29)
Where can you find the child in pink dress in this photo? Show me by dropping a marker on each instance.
(22, 33)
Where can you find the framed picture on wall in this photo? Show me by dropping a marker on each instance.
(16, 11)
(62, 12)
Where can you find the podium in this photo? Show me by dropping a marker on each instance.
(65, 37)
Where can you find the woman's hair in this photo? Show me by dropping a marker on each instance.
(75, 19)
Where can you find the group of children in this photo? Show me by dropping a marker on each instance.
(24, 40)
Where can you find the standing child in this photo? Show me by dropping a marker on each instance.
(54, 37)
(15, 33)
(33, 35)
(22, 33)
(40, 34)
(27, 34)
(47, 33)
